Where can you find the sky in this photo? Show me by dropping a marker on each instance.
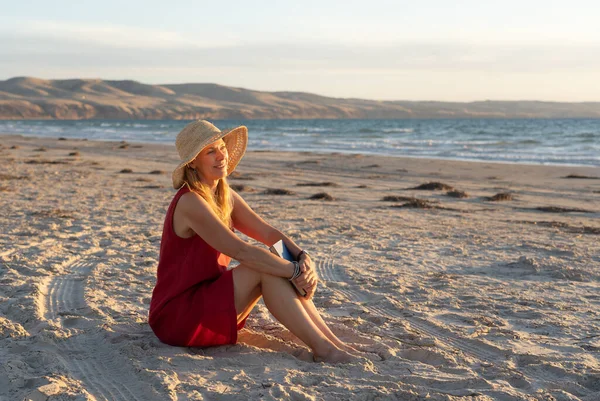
(459, 50)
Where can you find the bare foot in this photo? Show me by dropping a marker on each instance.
(336, 355)
(349, 349)
(367, 348)
(361, 353)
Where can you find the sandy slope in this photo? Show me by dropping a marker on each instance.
(471, 298)
(74, 99)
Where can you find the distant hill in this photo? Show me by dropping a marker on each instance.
(34, 98)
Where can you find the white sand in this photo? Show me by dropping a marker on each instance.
(482, 300)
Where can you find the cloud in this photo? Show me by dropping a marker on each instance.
(109, 35)
(170, 51)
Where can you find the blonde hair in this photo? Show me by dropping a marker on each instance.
(220, 201)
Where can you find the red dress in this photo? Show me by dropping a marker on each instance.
(192, 303)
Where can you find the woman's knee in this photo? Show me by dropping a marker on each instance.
(247, 289)
(245, 274)
(249, 275)
(266, 277)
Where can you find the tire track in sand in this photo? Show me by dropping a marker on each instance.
(474, 348)
(103, 371)
(332, 274)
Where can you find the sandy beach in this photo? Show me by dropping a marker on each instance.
(485, 287)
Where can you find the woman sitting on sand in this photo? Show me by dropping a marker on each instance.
(197, 302)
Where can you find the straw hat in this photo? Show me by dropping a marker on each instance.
(197, 135)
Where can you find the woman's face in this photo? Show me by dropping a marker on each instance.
(211, 162)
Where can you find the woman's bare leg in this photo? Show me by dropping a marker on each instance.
(315, 316)
(246, 290)
(282, 301)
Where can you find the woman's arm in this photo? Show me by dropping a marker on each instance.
(248, 222)
(199, 216)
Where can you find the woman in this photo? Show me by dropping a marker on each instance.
(197, 301)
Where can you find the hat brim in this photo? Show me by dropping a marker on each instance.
(236, 141)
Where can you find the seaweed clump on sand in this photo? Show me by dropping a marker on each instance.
(317, 184)
(433, 186)
(457, 194)
(157, 172)
(396, 198)
(241, 188)
(503, 196)
(564, 226)
(45, 161)
(309, 162)
(278, 191)
(126, 171)
(417, 204)
(557, 209)
(582, 177)
(322, 196)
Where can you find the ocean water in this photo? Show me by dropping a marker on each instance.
(531, 141)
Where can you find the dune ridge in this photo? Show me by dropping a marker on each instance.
(35, 98)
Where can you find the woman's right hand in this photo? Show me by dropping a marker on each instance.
(310, 291)
(308, 280)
